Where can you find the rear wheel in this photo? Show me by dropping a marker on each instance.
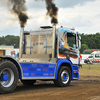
(64, 77)
(8, 77)
(28, 82)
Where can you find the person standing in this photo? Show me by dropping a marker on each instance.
(15, 55)
(11, 54)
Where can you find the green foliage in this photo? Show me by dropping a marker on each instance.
(83, 47)
(10, 40)
(91, 40)
(3, 44)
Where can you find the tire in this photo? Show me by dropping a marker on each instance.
(28, 82)
(89, 62)
(8, 77)
(64, 77)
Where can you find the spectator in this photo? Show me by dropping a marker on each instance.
(11, 54)
(15, 55)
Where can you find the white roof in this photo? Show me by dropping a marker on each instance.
(50, 31)
(41, 31)
(95, 52)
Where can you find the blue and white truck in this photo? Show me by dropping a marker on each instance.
(48, 53)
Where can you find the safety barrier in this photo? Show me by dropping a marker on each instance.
(90, 65)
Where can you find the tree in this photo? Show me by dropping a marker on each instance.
(10, 40)
(3, 44)
(83, 47)
(92, 40)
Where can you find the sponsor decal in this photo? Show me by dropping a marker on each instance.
(32, 69)
(45, 74)
(39, 74)
(42, 38)
(40, 65)
(34, 65)
(41, 43)
(46, 65)
(45, 69)
(32, 74)
(51, 66)
(24, 69)
(26, 64)
(51, 74)
(35, 38)
(38, 69)
(26, 74)
(51, 69)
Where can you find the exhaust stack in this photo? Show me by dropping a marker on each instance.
(21, 42)
(53, 41)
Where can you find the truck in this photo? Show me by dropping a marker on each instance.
(93, 58)
(48, 53)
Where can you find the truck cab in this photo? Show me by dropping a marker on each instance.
(48, 53)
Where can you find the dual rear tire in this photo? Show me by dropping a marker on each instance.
(8, 77)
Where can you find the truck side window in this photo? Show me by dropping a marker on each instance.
(71, 40)
(90, 57)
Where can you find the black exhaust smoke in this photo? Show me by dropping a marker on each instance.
(52, 11)
(19, 9)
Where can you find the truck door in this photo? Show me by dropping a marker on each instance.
(67, 46)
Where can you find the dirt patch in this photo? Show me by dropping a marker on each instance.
(86, 88)
(89, 78)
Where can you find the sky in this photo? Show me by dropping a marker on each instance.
(83, 15)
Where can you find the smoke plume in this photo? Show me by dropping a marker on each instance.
(52, 11)
(19, 9)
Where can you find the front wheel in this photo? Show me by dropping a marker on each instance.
(8, 77)
(64, 77)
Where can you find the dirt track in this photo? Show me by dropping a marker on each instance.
(86, 88)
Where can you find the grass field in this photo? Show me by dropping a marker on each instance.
(93, 71)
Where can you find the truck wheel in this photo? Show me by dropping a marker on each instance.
(28, 82)
(8, 77)
(64, 77)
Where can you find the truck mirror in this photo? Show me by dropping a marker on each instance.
(79, 44)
